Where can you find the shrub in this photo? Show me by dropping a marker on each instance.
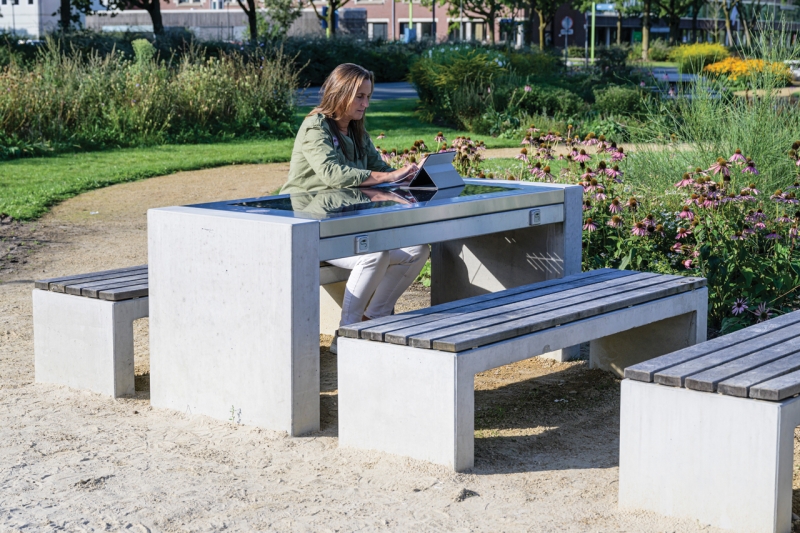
(611, 59)
(576, 52)
(693, 57)
(67, 101)
(737, 72)
(658, 51)
(619, 101)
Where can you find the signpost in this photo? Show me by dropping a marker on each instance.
(566, 30)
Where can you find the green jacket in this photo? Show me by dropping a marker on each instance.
(319, 163)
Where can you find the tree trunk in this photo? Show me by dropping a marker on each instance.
(726, 11)
(154, 9)
(66, 11)
(490, 22)
(331, 30)
(646, 31)
(674, 30)
(695, 13)
(542, 26)
(619, 28)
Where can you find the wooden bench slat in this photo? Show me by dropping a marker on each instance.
(423, 335)
(740, 385)
(353, 330)
(44, 284)
(421, 324)
(707, 380)
(646, 370)
(124, 293)
(94, 292)
(676, 375)
(75, 289)
(59, 286)
(778, 388)
(517, 328)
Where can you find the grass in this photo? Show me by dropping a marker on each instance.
(29, 187)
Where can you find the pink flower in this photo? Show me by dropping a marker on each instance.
(590, 226)
(527, 88)
(750, 168)
(738, 236)
(639, 229)
(614, 207)
(737, 157)
(751, 189)
(685, 181)
(739, 307)
(600, 196)
(762, 312)
(439, 138)
(772, 235)
(522, 155)
(382, 135)
(619, 155)
(687, 264)
(677, 247)
(526, 140)
(615, 222)
(682, 233)
(582, 157)
(686, 213)
(720, 166)
(642, 84)
(783, 219)
(793, 232)
(613, 172)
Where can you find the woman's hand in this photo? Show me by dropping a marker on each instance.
(376, 178)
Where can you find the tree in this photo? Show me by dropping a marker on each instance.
(646, 30)
(546, 11)
(153, 8)
(673, 11)
(70, 11)
(697, 5)
(488, 10)
(249, 8)
(330, 17)
(280, 15)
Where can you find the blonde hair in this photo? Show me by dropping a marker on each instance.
(338, 92)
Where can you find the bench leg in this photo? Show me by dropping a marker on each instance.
(722, 460)
(616, 352)
(406, 401)
(85, 343)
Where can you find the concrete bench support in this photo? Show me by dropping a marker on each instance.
(722, 460)
(420, 403)
(85, 343)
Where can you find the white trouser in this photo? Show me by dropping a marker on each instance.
(378, 279)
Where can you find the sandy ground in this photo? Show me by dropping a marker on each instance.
(76, 461)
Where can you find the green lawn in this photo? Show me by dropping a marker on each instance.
(28, 187)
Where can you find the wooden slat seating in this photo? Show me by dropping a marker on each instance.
(83, 326)
(707, 432)
(406, 381)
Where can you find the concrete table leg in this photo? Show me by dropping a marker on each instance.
(85, 343)
(722, 460)
(491, 263)
(234, 317)
(419, 404)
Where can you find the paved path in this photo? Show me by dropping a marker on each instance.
(383, 91)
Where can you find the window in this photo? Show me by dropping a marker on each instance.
(3, 2)
(378, 30)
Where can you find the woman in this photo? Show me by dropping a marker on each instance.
(333, 151)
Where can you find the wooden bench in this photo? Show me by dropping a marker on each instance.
(83, 326)
(406, 382)
(707, 432)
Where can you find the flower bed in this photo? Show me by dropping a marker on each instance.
(738, 72)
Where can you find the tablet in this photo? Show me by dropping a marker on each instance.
(436, 172)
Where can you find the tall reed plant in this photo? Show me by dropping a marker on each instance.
(66, 100)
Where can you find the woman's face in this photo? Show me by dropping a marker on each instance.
(359, 105)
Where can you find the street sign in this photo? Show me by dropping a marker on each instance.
(566, 23)
(567, 32)
(605, 7)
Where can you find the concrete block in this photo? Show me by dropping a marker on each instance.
(85, 343)
(234, 316)
(721, 460)
(331, 299)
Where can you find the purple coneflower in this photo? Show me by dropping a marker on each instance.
(687, 264)
(546, 174)
(677, 248)
(639, 229)
(747, 230)
(614, 207)
(382, 135)
(772, 235)
(739, 307)
(588, 175)
(527, 88)
(523, 155)
(721, 166)
(738, 236)
(615, 222)
(685, 181)
(751, 189)
(686, 213)
(682, 233)
(439, 138)
(793, 232)
(649, 220)
(587, 205)
(750, 168)
(762, 312)
(633, 204)
(582, 157)
(600, 196)
(737, 157)
(533, 129)
(590, 185)
(753, 216)
(619, 155)
(783, 219)
(590, 226)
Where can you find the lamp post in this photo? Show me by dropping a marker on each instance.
(461, 23)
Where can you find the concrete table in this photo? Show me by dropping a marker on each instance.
(234, 286)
